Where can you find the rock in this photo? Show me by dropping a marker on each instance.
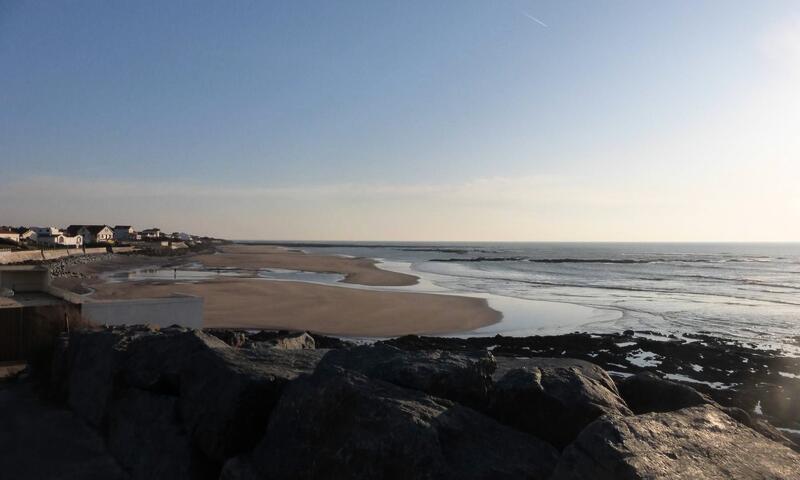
(227, 394)
(58, 384)
(462, 378)
(145, 435)
(234, 338)
(761, 426)
(289, 341)
(552, 398)
(645, 392)
(698, 443)
(154, 362)
(239, 468)
(40, 440)
(92, 359)
(341, 424)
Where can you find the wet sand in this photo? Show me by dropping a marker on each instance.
(257, 303)
(356, 270)
(250, 303)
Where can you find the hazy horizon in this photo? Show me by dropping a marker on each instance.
(420, 121)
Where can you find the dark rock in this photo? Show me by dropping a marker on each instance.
(239, 468)
(324, 341)
(341, 424)
(698, 443)
(462, 378)
(761, 426)
(155, 362)
(552, 398)
(145, 435)
(58, 385)
(228, 394)
(645, 392)
(234, 338)
(40, 441)
(289, 341)
(92, 360)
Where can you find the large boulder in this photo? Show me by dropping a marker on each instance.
(287, 340)
(693, 443)
(155, 362)
(463, 378)
(341, 424)
(147, 438)
(646, 393)
(93, 359)
(552, 398)
(227, 394)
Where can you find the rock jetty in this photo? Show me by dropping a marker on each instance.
(235, 405)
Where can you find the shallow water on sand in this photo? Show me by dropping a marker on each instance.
(746, 292)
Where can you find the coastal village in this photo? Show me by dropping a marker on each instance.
(82, 236)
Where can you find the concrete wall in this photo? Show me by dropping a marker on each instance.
(123, 249)
(7, 258)
(186, 311)
(25, 280)
(51, 254)
(19, 257)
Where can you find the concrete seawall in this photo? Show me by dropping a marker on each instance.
(7, 258)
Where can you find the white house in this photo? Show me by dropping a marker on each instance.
(70, 241)
(150, 233)
(9, 234)
(26, 234)
(46, 230)
(124, 232)
(92, 233)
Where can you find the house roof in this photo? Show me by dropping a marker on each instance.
(7, 230)
(93, 229)
(122, 227)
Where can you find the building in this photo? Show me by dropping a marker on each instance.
(46, 230)
(61, 240)
(124, 233)
(184, 237)
(26, 234)
(150, 234)
(92, 233)
(33, 313)
(9, 234)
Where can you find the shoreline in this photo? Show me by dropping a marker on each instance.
(259, 303)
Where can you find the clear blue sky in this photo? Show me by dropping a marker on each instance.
(507, 120)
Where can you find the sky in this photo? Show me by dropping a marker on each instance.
(461, 120)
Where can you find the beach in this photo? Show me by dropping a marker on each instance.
(360, 271)
(251, 302)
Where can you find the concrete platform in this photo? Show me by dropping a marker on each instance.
(30, 299)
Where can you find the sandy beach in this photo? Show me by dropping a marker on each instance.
(319, 308)
(356, 270)
(258, 303)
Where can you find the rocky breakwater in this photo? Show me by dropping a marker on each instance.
(184, 404)
(65, 267)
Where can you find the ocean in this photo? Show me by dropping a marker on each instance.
(747, 292)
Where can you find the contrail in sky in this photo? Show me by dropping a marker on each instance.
(535, 19)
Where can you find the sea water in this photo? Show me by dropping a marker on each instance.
(743, 291)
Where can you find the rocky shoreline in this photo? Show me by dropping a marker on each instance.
(233, 404)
